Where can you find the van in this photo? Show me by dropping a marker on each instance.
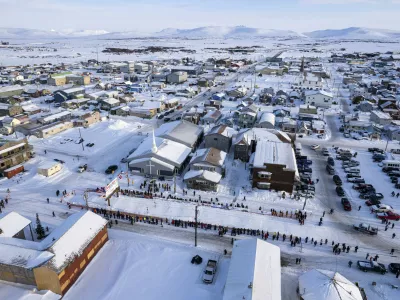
(395, 151)
(391, 163)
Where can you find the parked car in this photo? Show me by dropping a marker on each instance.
(371, 266)
(337, 180)
(346, 204)
(376, 196)
(381, 208)
(394, 267)
(111, 169)
(390, 169)
(197, 259)
(366, 228)
(389, 215)
(314, 147)
(210, 270)
(356, 180)
(331, 161)
(340, 191)
(362, 186)
(330, 170)
(373, 149)
(353, 175)
(372, 202)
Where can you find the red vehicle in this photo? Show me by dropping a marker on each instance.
(389, 215)
(346, 204)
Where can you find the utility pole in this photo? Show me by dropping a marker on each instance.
(387, 143)
(305, 203)
(85, 196)
(83, 147)
(195, 226)
(174, 183)
(127, 172)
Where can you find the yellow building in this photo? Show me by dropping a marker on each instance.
(49, 168)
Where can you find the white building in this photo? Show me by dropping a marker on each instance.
(254, 272)
(380, 117)
(319, 98)
(310, 81)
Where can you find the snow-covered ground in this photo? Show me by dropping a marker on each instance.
(19, 291)
(131, 265)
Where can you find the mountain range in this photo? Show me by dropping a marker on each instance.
(361, 33)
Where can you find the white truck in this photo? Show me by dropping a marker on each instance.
(82, 168)
(210, 270)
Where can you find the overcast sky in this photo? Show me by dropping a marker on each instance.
(153, 15)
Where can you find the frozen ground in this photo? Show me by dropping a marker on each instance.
(115, 138)
(75, 50)
(131, 265)
(24, 292)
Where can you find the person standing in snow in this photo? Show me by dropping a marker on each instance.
(350, 263)
(54, 214)
(48, 201)
(393, 235)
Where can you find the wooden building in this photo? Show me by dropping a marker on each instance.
(57, 261)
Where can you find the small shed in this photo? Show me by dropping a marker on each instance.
(11, 172)
(49, 168)
(13, 225)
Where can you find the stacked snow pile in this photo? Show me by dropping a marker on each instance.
(118, 125)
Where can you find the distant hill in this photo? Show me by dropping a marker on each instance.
(26, 33)
(225, 32)
(361, 33)
(207, 32)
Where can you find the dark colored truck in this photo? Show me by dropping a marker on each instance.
(366, 228)
(371, 266)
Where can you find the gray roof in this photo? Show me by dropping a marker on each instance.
(182, 132)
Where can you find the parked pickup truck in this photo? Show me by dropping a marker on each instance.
(371, 266)
(210, 270)
(366, 228)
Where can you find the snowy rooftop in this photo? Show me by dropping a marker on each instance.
(381, 115)
(12, 148)
(12, 223)
(47, 164)
(10, 88)
(182, 131)
(257, 262)
(247, 135)
(56, 116)
(203, 174)
(30, 107)
(223, 130)
(110, 101)
(327, 285)
(23, 257)
(74, 90)
(211, 155)
(325, 93)
(73, 236)
(274, 153)
(267, 117)
(170, 150)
